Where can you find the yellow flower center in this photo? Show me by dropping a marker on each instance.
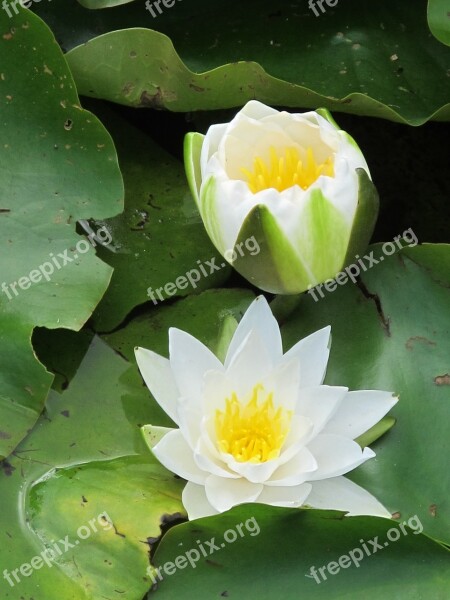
(287, 170)
(252, 432)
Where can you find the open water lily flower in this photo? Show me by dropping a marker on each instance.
(296, 183)
(261, 427)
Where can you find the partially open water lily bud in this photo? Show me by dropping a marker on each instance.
(296, 183)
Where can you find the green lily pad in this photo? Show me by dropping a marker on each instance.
(85, 457)
(110, 543)
(161, 249)
(360, 57)
(392, 333)
(439, 20)
(58, 165)
(261, 552)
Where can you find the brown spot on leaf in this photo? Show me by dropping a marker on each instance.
(65, 413)
(157, 100)
(147, 100)
(197, 88)
(213, 563)
(442, 379)
(128, 88)
(4, 435)
(433, 510)
(418, 338)
(7, 467)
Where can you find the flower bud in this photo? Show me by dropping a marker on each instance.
(295, 183)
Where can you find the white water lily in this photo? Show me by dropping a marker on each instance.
(295, 182)
(261, 427)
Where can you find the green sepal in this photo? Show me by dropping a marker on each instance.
(365, 217)
(276, 268)
(153, 434)
(375, 432)
(207, 208)
(323, 236)
(193, 143)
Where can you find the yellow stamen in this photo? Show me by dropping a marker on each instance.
(287, 170)
(252, 432)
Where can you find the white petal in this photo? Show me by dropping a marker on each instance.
(284, 381)
(359, 411)
(297, 470)
(257, 317)
(175, 454)
(217, 388)
(342, 189)
(159, 379)
(252, 132)
(324, 141)
(223, 493)
(257, 110)
(190, 359)
(195, 502)
(339, 493)
(189, 419)
(253, 472)
(350, 151)
(300, 434)
(320, 403)
(336, 455)
(250, 365)
(211, 144)
(246, 139)
(291, 496)
(313, 352)
(210, 461)
(225, 204)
